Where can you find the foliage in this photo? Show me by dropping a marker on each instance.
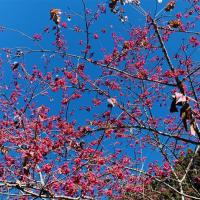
(85, 104)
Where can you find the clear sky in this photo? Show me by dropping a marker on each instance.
(32, 16)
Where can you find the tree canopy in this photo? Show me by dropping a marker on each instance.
(102, 102)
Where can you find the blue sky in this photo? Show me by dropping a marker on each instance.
(32, 16)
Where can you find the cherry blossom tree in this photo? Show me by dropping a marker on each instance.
(109, 113)
(191, 182)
